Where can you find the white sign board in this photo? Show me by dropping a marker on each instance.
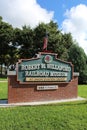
(47, 87)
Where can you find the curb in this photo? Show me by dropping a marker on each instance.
(4, 103)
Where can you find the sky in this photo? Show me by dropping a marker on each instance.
(71, 15)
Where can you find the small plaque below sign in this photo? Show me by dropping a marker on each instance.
(47, 87)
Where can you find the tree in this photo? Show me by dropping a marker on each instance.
(24, 43)
(39, 34)
(57, 41)
(66, 43)
(54, 36)
(6, 36)
(23, 39)
(78, 57)
(30, 41)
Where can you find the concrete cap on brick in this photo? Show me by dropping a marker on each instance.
(11, 72)
(75, 73)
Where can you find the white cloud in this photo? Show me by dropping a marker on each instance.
(21, 12)
(76, 23)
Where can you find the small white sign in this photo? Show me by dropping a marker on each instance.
(47, 87)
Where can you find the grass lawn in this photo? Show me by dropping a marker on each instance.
(3, 90)
(82, 91)
(61, 116)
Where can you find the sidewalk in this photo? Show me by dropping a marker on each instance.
(4, 103)
(3, 81)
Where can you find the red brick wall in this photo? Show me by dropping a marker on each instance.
(28, 93)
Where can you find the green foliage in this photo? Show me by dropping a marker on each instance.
(66, 116)
(24, 40)
(22, 43)
(6, 36)
(79, 59)
(39, 33)
(64, 46)
(57, 42)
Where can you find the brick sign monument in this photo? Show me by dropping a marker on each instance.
(42, 78)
